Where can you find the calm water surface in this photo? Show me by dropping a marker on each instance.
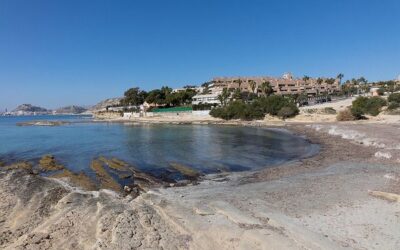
(150, 147)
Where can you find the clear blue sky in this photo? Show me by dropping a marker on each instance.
(55, 53)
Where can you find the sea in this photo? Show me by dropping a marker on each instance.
(150, 147)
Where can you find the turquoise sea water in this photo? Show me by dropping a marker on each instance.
(150, 147)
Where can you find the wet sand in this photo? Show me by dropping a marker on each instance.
(337, 199)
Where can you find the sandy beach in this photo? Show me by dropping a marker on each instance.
(345, 197)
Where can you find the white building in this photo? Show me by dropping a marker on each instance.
(206, 99)
(197, 89)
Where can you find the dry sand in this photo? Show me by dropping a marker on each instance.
(340, 198)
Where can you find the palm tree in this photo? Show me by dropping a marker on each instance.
(223, 97)
(319, 82)
(363, 84)
(340, 77)
(306, 78)
(253, 85)
(266, 88)
(239, 81)
(330, 81)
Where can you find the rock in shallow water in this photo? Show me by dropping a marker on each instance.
(48, 163)
(42, 123)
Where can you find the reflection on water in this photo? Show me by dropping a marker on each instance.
(151, 147)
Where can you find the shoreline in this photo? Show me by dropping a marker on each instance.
(292, 206)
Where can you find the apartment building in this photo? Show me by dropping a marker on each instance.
(284, 85)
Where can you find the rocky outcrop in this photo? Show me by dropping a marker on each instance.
(71, 110)
(42, 123)
(28, 109)
(106, 103)
(40, 213)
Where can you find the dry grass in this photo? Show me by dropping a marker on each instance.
(345, 115)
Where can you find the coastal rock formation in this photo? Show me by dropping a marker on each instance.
(42, 123)
(28, 109)
(48, 163)
(40, 213)
(71, 110)
(105, 179)
(106, 103)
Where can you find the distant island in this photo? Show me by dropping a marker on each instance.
(29, 109)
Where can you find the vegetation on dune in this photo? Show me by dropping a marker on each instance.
(394, 102)
(367, 106)
(362, 106)
(345, 115)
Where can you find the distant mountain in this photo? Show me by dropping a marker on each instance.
(106, 103)
(71, 110)
(28, 109)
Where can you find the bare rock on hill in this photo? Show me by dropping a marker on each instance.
(106, 103)
(28, 108)
(71, 110)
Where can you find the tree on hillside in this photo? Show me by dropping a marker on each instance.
(253, 85)
(266, 88)
(156, 96)
(330, 81)
(134, 96)
(237, 94)
(180, 98)
(362, 80)
(166, 90)
(320, 81)
(340, 77)
(362, 84)
(239, 82)
(224, 96)
(306, 78)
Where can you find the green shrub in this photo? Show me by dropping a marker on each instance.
(357, 113)
(364, 105)
(238, 110)
(288, 111)
(329, 111)
(272, 104)
(217, 112)
(345, 115)
(393, 105)
(203, 106)
(257, 109)
(395, 97)
(381, 91)
(374, 105)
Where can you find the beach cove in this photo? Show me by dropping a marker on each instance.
(293, 205)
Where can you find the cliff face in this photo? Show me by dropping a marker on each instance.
(30, 108)
(106, 103)
(71, 110)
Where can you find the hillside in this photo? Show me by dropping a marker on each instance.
(28, 108)
(71, 110)
(106, 103)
